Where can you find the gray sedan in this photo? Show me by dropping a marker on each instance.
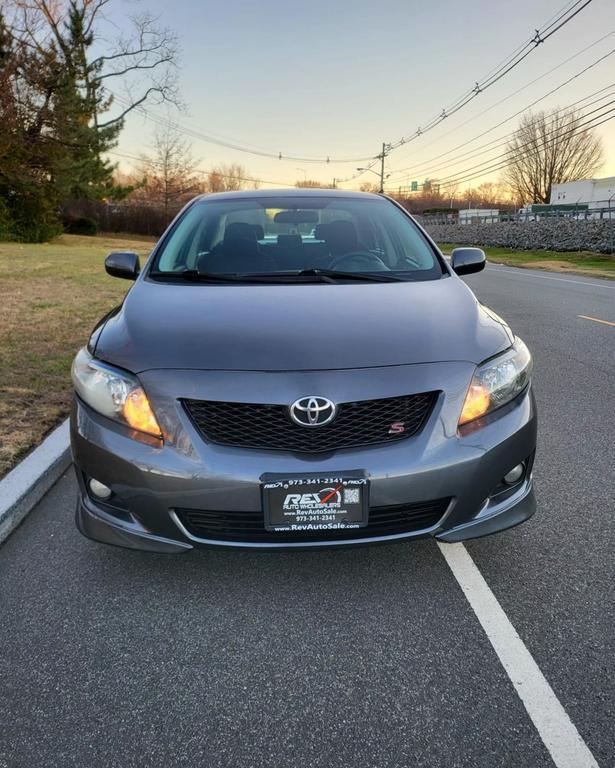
(300, 368)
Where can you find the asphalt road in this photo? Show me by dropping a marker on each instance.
(356, 658)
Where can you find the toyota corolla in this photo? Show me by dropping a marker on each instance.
(300, 368)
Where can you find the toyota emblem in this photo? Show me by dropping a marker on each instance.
(312, 411)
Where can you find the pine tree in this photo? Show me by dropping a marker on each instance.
(53, 140)
(28, 198)
(83, 172)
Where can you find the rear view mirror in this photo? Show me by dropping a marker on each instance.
(464, 261)
(123, 264)
(296, 217)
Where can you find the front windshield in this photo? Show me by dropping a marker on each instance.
(291, 235)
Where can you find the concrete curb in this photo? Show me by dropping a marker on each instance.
(25, 485)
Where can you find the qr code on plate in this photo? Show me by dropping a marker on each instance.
(351, 496)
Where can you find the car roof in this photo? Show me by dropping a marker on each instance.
(292, 192)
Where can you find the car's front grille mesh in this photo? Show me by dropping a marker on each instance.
(249, 526)
(365, 422)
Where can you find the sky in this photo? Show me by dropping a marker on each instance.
(336, 79)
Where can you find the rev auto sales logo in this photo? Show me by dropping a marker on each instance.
(327, 498)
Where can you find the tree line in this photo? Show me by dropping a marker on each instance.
(169, 175)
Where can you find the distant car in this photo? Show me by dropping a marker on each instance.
(300, 369)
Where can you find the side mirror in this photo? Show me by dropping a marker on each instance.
(123, 264)
(464, 261)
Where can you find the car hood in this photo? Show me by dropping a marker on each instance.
(299, 327)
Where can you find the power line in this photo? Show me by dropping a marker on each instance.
(554, 24)
(453, 178)
(548, 23)
(502, 141)
(523, 151)
(527, 149)
(518, 112)
(541, 35)
(514, 93)
(209, 139)
(362, 172)
(202, 171)
(474, 172)
(468, 179)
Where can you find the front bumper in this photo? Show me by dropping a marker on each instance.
(150, 481)
(99, 526)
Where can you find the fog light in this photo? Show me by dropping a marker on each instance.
(99, 489)
(515, 474)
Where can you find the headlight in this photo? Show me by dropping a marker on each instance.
(113, 393)
(497, 382)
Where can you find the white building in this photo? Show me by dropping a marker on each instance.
(595, 193)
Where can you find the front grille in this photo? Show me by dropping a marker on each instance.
(366, 422)
(249, 526)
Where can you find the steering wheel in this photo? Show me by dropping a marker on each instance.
(361, 260)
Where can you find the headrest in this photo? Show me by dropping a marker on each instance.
(290, 241)
(260, 232)
(341, 236)
(239, 230)
(320, 231)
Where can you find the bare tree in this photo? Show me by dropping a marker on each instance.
(488, 194)
(431, 187)
(368, 186)
(550, 148)
(312, 184)
(137, 67)
(228, 178)
(170, 173)
(451, 190)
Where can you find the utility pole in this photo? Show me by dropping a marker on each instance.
(380, 174)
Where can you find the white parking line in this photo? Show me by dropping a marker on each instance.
(531, 274)
(557, 731)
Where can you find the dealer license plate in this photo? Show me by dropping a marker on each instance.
(315, 504)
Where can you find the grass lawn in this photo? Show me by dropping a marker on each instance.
(583, 263)
(52, 296)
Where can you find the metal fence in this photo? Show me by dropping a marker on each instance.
(602, 210)
(125, 217)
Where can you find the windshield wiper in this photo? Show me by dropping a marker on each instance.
(301, 276)
(196, 276)
(336, 274)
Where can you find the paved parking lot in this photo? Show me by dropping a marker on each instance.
(370, 657)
